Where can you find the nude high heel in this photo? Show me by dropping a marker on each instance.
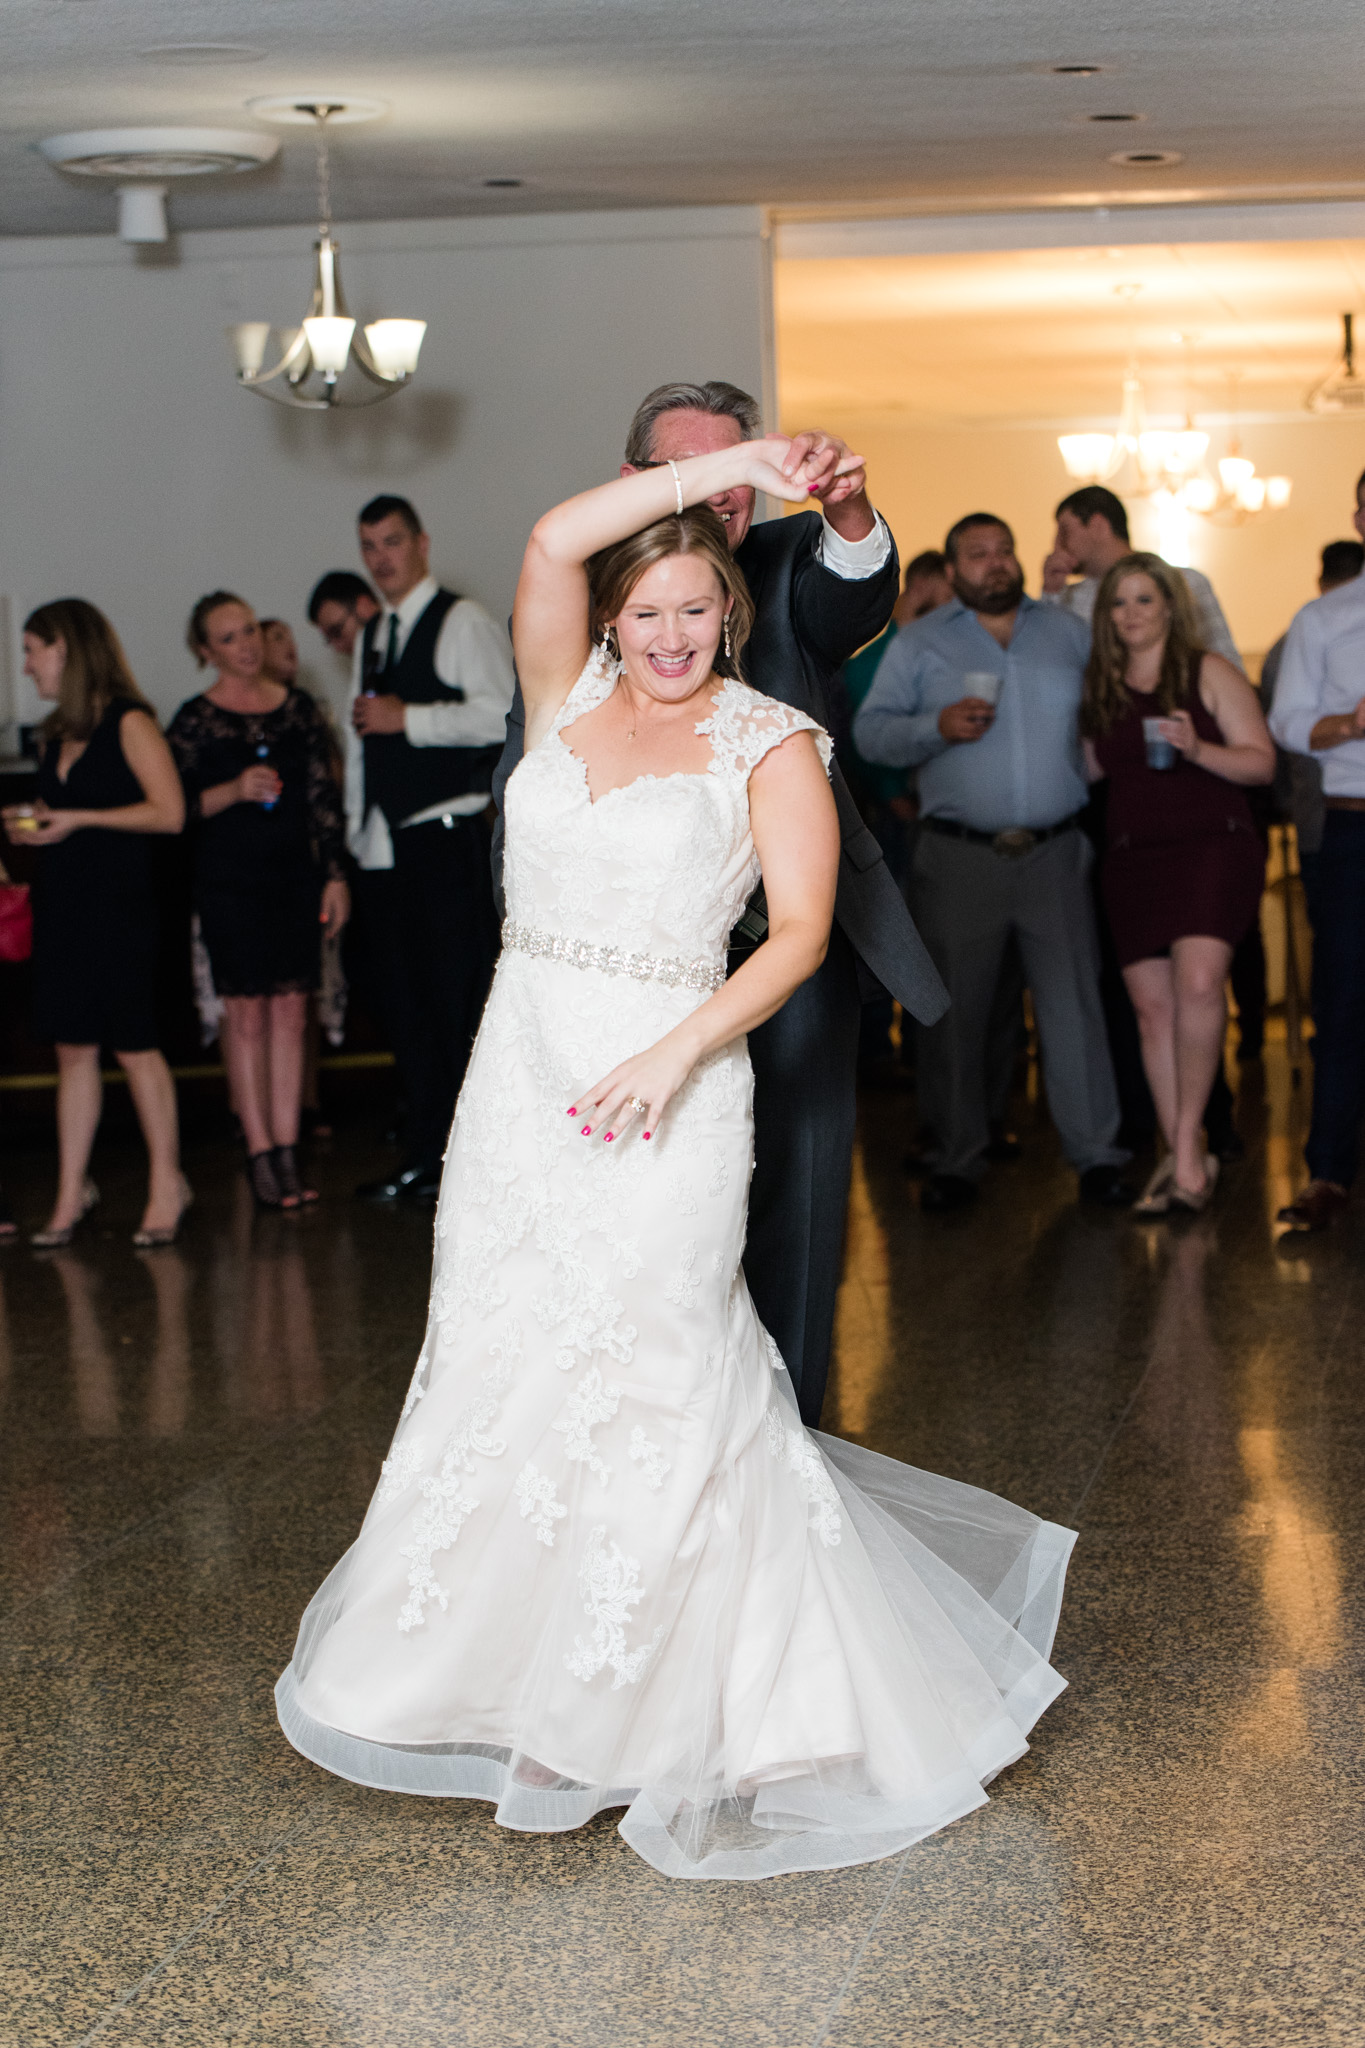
(53, 1240)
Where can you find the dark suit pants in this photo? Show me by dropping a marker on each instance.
(1333, 1144)
(432, 932)
(805, 1062)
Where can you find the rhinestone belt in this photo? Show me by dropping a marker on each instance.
(703, 975)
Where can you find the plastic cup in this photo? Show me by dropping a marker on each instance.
(24, 820)
(1160, 750)
(983, 685)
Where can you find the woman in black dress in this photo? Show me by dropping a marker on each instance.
(254, 756)
(106, 781)
(1184, 867)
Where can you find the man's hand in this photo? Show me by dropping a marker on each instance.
(378, 714)
(1058, 567)
(968, 719)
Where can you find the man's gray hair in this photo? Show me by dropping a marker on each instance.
(723, 402)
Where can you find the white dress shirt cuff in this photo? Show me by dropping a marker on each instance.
(855, 560)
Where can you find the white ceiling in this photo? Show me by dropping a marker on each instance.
(795, 103)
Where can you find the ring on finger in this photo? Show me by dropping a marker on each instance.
(638, 1106)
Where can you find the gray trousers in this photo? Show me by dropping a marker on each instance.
(967, 901)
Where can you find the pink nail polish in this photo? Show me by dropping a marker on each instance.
(574, 1110)
(608, 1138)
(647, 1136)
(586, 1131)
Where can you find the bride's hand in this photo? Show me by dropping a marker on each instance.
(760, 465)
(652, 1078)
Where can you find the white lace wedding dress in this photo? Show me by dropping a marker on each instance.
(605, 1564)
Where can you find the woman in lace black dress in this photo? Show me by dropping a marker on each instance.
(254, 757)
(106, 782)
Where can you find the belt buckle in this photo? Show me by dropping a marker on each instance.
(1014, 843)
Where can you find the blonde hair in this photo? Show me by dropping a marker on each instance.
(614, 573)
(1104, 699)
(95, 672)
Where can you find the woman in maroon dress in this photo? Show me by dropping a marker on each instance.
(1179, 733)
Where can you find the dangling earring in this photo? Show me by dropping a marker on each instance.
(729, 651)
(610, 652)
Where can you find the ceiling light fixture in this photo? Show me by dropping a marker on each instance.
(1113, 117)
(1343, 388)
(314, 355)
(503, 184)
(141, 160)
(1075, 70)
(1237, 494)
(1146, 159)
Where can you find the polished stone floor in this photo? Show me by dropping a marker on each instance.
(189, 1439)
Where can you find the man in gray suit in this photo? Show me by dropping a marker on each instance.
(823, 585)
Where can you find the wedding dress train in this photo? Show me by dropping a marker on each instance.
(605, 1565)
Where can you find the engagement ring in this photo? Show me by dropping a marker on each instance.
(637, 1105)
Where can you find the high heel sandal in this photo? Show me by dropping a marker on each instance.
(153, 1240)
(260, 1172)
(1196, 1200)
(293, 1193)
(53, 1240)
(1155, 1198)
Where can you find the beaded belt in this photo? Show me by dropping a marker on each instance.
(703, 975)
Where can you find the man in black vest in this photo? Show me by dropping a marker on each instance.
(432, 682)
(823, 585)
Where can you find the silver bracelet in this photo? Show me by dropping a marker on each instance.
(677, 484)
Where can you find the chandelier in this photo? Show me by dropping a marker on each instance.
(1154, 459)
(314, 356)
(1237, 494)
(1343, 388)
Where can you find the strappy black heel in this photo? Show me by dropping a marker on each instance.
(293, 1192)
(265, 1186)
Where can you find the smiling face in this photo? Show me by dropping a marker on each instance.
(232, 642)
(670, 626)
(1141, 614)
(680, 434)
(43, 665)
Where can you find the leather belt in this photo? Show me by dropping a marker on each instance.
(1344, 803)
(1011, 844)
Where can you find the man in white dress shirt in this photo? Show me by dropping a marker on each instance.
(432, 684)
(1319, 710)
(1092, 534)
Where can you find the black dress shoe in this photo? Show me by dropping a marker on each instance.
(413, 1184)
(945, 1191)
(1106, 1187)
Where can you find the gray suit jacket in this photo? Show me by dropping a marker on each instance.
(807, 622)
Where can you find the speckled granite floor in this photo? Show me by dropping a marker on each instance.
(189, 1440)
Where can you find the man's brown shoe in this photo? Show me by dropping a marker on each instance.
(1315, 1207)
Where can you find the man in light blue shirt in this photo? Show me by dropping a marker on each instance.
(983, 697)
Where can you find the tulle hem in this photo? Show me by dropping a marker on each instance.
(784, 1827)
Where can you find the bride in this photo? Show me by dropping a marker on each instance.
(605, 1565)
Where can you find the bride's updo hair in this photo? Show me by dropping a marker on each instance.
(614, 573)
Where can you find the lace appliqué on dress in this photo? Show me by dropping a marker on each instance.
(794, 1449)
(590, 1402)
(610, 1584)
(400, 1468)
(535, 1496)
(745, 725)
(446, 1507)
(654, 1466)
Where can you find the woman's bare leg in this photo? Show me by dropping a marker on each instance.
(153, 1092)
(1199, 971)
(79, 1098)
(288, 1019)
(1151, 985)
(247, 1054)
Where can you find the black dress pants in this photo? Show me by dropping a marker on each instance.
(432, 932)
(805, 1062)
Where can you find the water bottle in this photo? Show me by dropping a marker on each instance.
(263, 754)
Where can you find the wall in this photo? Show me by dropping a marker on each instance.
(925, 477)
(139, 475)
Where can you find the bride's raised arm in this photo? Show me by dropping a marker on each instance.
(550, 617)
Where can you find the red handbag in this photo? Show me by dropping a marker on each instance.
(16, 923)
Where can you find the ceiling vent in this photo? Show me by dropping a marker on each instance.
(142, 160)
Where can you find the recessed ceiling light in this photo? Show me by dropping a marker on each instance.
(503, 184)
(1113, 117)
(201, 53)
(1146, 159)
(300, 109)
(1075, 70)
